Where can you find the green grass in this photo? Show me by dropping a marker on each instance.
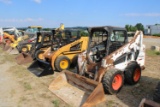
(152, 53)
(56, 103)
(27, 86)
(157, 53)
(110, 103)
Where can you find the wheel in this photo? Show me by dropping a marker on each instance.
(62, 63)
(132, 73)
(112, 81)
(74, 61)
(24, 49)
(39, 55)
(156, 95)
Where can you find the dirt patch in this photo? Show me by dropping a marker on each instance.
(20, 88)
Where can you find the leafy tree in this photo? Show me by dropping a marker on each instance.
(133, 28)
(46, 29)
(139, 26)
(84, 33)
(127, 27)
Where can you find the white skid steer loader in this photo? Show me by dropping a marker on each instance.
(109, 61)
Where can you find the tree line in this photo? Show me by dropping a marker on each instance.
(131, 28)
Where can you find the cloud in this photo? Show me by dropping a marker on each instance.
(6, 1)
(37, 1)
(142, 14)
(22, 20)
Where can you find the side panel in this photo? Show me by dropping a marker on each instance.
(66, 48)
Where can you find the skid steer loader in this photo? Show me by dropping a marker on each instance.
(12, 48)
(29, 51)
(61, 58)
(21, 38)
(32, 31)
(109, 60)
(7, 40)
(12, 37)
(43, 42)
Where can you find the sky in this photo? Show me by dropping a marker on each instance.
(50, 13)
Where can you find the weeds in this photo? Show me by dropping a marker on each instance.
(152, 53)
(56, 103)
(157, 53)
(110, 103)
(27, 86)
(22, 99)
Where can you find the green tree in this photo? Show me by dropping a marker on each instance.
(130, 28)
(46, 29)
(139, 26)
(133, 28)
(84, 33)
(127, 27)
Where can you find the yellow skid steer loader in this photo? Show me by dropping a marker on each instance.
(32, 50)
(12, 48)
(61, 58)
(11, 39)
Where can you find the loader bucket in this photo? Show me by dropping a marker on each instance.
(13, 51)
(23, 58)
(2, 45)
(148, 103)
(77, 90)
(6, 47)
(40, 68)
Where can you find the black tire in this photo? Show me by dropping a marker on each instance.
(156, 95)
(38, 53)
(132, 73)
(59, 63)
(108, 81)
(74, 61)
(24, 47)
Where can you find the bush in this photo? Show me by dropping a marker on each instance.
(83, 33)
(156, 35)
(157, 53)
